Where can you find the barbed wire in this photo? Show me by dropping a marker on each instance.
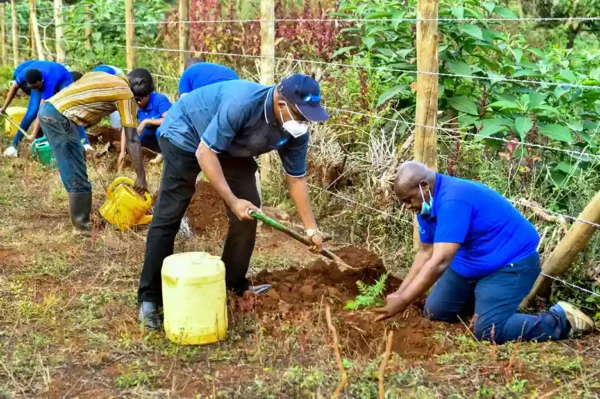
(347, 20)
(570, 284)
(343, 65)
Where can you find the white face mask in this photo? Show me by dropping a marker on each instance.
(292, 126)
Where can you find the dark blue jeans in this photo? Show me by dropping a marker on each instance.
(64, 139)
(149, 139)
(494, 301)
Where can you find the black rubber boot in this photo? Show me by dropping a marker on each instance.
(149, 315)
(80, 206)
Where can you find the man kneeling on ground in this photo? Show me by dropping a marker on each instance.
(483, 254)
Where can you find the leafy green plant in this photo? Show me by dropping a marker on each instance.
(370, 295)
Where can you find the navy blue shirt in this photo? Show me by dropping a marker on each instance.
(55, 76)
(204, 74)
(158, 104)
(491, 231)
(235, 119)
(109, 69)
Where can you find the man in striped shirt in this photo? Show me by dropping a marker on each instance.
(81, 105)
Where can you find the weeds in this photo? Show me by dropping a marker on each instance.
(370, 295)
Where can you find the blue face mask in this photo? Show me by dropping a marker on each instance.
(426, 208)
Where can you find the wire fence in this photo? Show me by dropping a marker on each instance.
(336, 110)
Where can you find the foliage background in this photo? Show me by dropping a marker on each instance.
(368, 67)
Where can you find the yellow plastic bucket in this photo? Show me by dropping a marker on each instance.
(16, 114)
(194, 298)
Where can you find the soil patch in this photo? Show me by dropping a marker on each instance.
(10, 258)
(297, 294)
(103, 134)
(206, 213)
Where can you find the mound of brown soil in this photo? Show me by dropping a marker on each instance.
(206, 213)
(296, 293)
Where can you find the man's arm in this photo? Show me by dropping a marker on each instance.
(135, 152)
(299, 193)
(440, 260)
(123, 152)
(9, 97)
(154, 122)
(421, 258)
(210, 165)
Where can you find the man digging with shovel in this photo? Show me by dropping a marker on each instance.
(219, 129)
(481, 254)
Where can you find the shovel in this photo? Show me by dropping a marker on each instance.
(275, 224)
(14, 123)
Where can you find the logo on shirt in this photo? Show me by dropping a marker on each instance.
(280, 143)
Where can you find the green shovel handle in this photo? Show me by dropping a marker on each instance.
(275, 224)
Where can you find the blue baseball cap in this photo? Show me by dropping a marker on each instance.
(304, 92)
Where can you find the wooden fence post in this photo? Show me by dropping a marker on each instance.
(3, 43)
(575, 241)
(425, 144)
(88, 27)
(267, 64)
(130, 34)
(36, 31)
(15, 33)
(184, 33)
(59, 31)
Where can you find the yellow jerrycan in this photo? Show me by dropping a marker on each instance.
(16, 114)
(124, 207)
(194, 298)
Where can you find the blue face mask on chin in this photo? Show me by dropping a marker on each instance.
(426, 208)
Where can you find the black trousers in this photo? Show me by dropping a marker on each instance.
(177, 186)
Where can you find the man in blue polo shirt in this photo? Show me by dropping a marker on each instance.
(199, 74)
(41, 80)
(483, 254)
(219, 129)
(152, 109)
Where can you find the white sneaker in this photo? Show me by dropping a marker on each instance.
(580, 322)
(10, 152)
(157, 159)
(88, 148)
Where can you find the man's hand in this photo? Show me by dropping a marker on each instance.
(241, 208)
(317, 240)
(141, 126)
(393, 305)
(140, 185)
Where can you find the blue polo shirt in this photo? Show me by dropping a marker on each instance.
(204, 74)
(234, 119)
(55, 76)
(157, 106)
(491, 231)
(109, 69)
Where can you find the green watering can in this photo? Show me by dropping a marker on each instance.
(40, 150)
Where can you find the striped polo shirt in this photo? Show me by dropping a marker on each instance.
(95, 95)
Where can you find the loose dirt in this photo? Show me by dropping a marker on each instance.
(300, 294)
(206, 213)
(103, 134)
(10, 258)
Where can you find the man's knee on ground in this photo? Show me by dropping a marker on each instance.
(436, 310)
